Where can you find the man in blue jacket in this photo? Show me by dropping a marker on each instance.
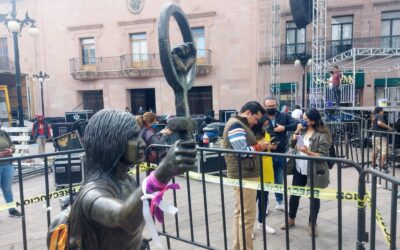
(281, 122)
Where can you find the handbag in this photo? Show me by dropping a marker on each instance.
(290, 162)
(332, 153)
(290, 165)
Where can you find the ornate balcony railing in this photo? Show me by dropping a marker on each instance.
(289, 52)
(131, 65)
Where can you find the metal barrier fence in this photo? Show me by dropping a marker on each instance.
(222, 182)
(362, 236)
(381, 151)
(175, 229)
(346, 94)
(45, 157)
(346, 139)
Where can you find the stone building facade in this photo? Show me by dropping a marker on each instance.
(104, 54)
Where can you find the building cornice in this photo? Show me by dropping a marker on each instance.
(201, 15)
(347, 7)
(333, 8)
(85, 27)
(135, 22)
(379, 3)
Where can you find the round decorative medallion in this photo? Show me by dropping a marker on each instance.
(134, 6)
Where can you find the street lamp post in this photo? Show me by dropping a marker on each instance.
(15, 26)
(303, 60)
(41, 77)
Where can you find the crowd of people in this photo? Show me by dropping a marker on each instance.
(260, 128)
(256, 129)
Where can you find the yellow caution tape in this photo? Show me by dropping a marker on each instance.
(379, 219)
(64, 192)
(319, 193)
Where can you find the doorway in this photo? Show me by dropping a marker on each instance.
(200, 100)
(143, 100)
(93, 100)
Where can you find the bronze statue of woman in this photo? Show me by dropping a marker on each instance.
(108, 210)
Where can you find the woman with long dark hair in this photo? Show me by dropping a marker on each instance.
(263, 130)
(311, 138)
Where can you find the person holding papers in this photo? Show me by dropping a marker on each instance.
(310, 139)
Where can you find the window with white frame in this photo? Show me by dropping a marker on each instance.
(199, 41)
(139, 49)
(88, 50)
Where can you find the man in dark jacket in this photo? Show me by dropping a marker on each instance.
(40, 133)
(281, 122)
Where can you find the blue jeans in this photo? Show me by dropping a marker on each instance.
(6, 179)
(336, 94)
(278, 175)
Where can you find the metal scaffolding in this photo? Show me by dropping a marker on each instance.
(275, 50)
(372, 60)
(317, 93)
(294, 97)
(368, 60)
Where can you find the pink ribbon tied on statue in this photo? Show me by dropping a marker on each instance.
(152, 186)
(155, 202)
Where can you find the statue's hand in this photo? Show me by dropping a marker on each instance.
(180, 158)
(184, 56)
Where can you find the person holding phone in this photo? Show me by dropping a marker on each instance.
(262, 132)
(311, 138)
(281, 123)
(238, 135)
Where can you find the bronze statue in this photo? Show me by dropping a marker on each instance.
(107, 212)
(179, 65)
(108, 209)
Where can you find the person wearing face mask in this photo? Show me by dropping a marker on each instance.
(281, 124)
(150, 135)
(311, 138)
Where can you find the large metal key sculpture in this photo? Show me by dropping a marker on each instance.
(179, 65)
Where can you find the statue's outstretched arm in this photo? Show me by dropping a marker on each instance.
(111, 212)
